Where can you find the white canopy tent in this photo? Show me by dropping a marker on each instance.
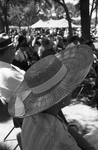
(37, 24)
(62, 23)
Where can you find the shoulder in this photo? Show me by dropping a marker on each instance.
(20, 71)
(16, 74)
(70, 45)
(46, 122)
(44, 130)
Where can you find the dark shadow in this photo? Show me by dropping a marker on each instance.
(22, 65)
(4, 115)
(4, 147)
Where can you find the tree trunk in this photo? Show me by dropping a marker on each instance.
(85, 18)
(92, 9)
(96, 18)
(69, 20)
(5, 17)
(1, 25)
(63, 4)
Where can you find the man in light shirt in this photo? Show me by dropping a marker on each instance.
(10, 76)
(74, 41)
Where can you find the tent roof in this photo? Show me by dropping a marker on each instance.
(62, 23)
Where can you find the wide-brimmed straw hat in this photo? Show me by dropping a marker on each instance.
(49, 80)
(5, 41)
(47, 44)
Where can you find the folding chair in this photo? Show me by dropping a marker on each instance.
(17, 124)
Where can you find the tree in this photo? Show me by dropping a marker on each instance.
(22, 15)
(85, 19)
(1, 25)
(4, 11)
(63, 4)
(50, 10)
(94, 8)
(43, 9)
(86, 15)
(72, 10)
(30, 14)
(15, 15)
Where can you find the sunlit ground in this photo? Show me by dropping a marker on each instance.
(85, 120)
(82, 117)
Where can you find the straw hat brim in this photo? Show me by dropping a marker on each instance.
(78, 66)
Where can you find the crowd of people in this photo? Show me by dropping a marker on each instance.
(37, 76)
(31, 47)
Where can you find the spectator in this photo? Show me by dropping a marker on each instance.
(37, 47)
(74, 41)
(91, 44)
(82, 40)
(44, 91)
(48, 46)
(10, 76)
(22, 54)
(60, 43)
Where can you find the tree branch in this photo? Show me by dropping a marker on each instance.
(92, 8)
(1, 5)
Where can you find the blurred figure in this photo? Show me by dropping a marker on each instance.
(74, 41)
(48, 48)
(10, 76)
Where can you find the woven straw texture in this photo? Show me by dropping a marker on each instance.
(78, 61)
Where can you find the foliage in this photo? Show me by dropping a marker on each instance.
(19, 2)
(30, 14)
(27, 12)
(21, 12)
(43, 9)
(73, 11)
(15, 14)
(22, 15)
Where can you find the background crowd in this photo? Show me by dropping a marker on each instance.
(38, 43)
(34, 45)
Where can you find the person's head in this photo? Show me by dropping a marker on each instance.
(47, 44)
(74, 39)
(22, 40)
(90, 43)
(82, 40)
(38, 41)
(60, 42)
(7, 50)
(50, 80)
(58, 106)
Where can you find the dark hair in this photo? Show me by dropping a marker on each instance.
(89, 43)
(74, 38)
(38, 43)
(82, 40)
(20, 39)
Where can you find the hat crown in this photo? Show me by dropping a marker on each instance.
(42, 71)
(45, 41)
(3, 37)
(5, 41)
(48, 44)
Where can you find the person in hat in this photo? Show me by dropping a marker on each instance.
(73, 41)
(45, 90)
(10, 76)
(48, 47)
